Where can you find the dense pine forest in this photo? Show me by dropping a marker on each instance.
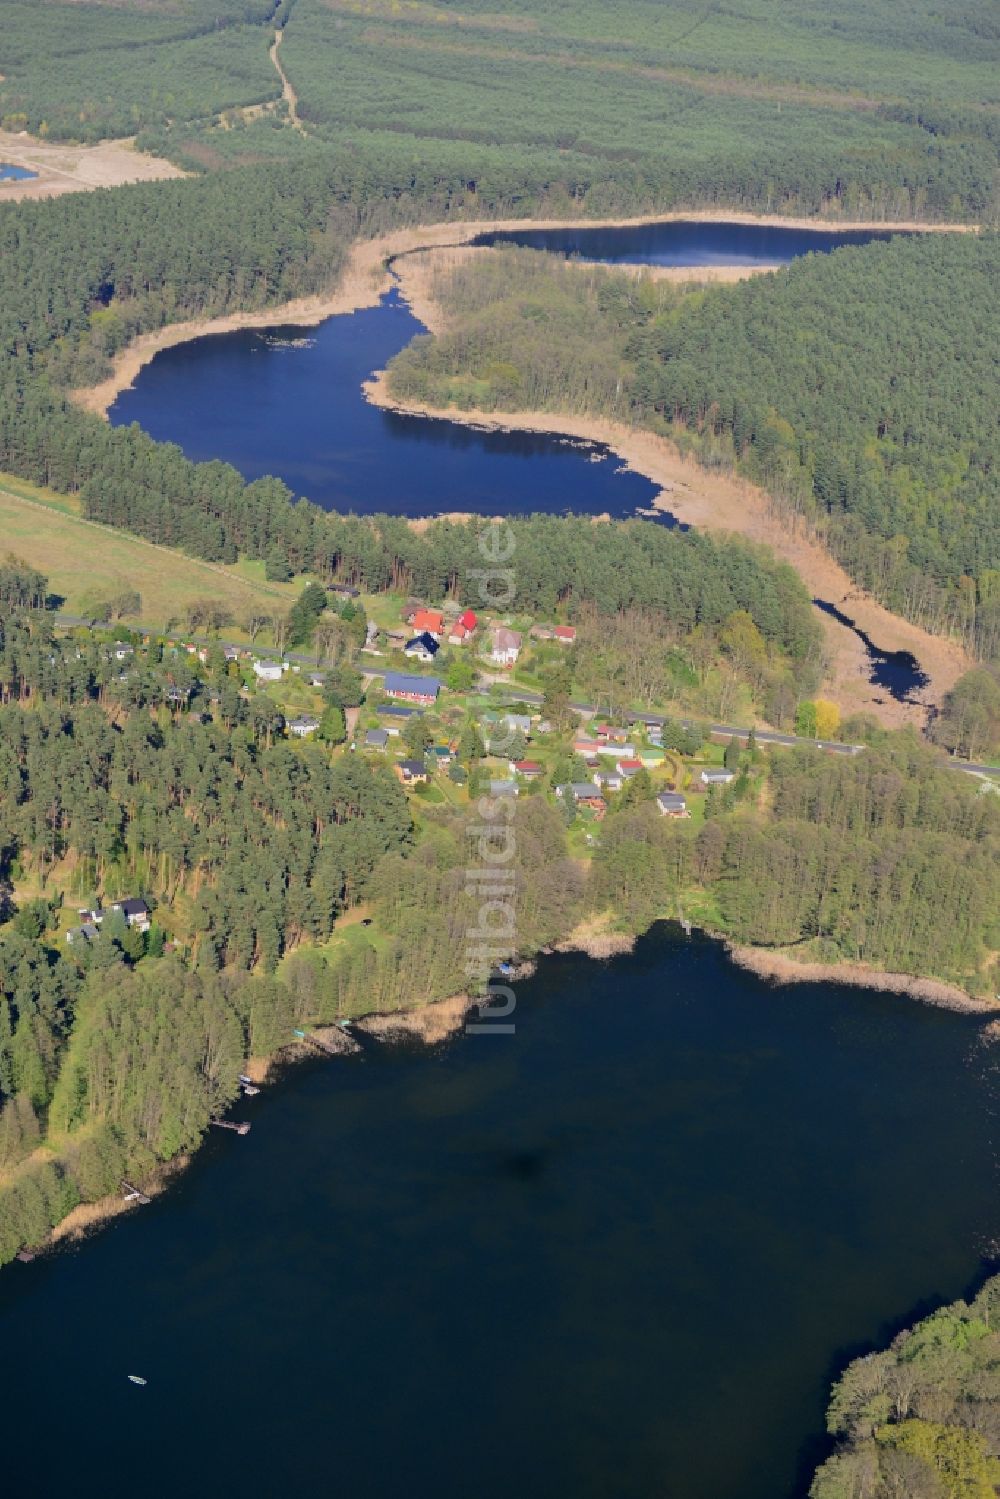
(171, 778)
(858, 387)
(635, 104)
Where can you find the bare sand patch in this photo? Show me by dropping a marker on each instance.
(595, 937)
(72, 169)
(431, 1023)
(784, 969)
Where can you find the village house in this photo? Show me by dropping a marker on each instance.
(503, 788)
(304, 726)
(517, 723)
(608, 780)
(583, 794)
(441, 754)
(529, 770)
(268, 671)
(422, 690)
(565, 634)
(135, 911)
(344, 592)
(718, 777)
(121, 651)
(429, 620)
(672, 804)
(377, 739)
(542, 632)
(397, 713)
(85, 933)
(411, 772)
(628, 768)
(588, 748)
(463, 628)
(611, 733)
(423, 647)
(506, 646)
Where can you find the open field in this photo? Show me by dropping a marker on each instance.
(80, 557)
(74, 169)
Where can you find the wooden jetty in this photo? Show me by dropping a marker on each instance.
(133, 1194)
(241, 1127)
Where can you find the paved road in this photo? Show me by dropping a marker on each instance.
(587, 710)
(763, 736)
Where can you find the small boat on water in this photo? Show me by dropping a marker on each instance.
(136, 1379)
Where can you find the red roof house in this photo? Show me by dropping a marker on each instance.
(468, 620)
(565, 633)
(431, 620)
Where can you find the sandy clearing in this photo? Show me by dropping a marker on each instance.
(72, 169)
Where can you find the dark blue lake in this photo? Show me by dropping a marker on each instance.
(686, 243)
(9, 173)
(617, 1255)
(288, 401)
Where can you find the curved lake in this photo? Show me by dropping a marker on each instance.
(616, 1255)
(288, 401)
(686, 242)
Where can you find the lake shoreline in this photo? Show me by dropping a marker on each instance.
(726, 503)
(439, 1020)
(780, 968)
(367, 275)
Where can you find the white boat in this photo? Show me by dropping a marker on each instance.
(137, 1379)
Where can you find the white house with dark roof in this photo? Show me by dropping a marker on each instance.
(135, 911)
(672, 804)
(506, 646)
(303, 726)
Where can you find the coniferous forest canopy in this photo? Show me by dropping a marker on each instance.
(860, 388)
(115, 1052)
